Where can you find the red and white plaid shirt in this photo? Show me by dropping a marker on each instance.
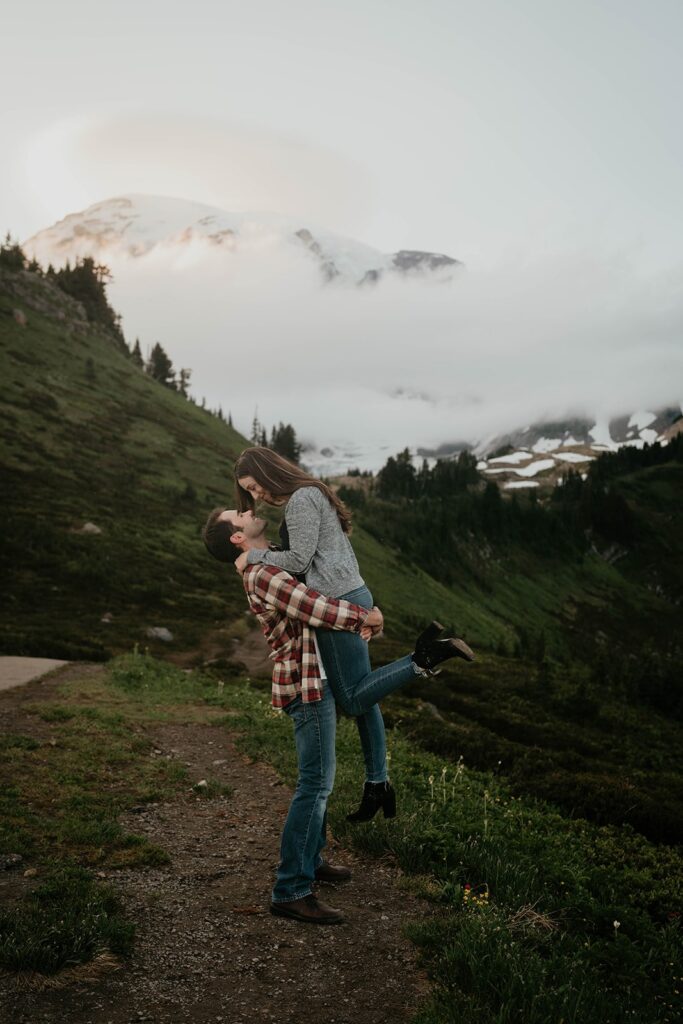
(288, 612)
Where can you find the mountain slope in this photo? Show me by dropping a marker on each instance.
(87, 438)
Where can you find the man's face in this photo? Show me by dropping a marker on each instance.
(247, 525)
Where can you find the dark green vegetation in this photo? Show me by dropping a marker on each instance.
(582, 702)
(68, 919)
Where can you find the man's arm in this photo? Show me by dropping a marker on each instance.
(277, 589)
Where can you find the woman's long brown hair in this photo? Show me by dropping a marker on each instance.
(281, 478)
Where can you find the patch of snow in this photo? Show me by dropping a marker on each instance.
(648, 435)
(535, 467)
(636, 442)
(641, 419)
(547, 444)
(574, 457)
(601, 435)
(569, 442)
(514, 484)
(482, 465)
(514, 457)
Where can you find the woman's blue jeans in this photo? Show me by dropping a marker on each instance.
(357, 689)
(305, 832)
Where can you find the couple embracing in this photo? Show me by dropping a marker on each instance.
(318, 631)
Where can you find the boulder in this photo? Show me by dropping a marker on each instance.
(90, 528)
(159, 633)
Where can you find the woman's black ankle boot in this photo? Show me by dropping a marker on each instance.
(430, 652)
(375, 795)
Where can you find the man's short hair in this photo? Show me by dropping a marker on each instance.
(216, 535)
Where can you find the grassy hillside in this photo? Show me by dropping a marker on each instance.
(87, 437)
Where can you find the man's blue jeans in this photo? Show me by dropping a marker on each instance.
(305, 833)
(357, 689)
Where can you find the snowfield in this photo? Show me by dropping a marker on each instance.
(573, 457)
(513, 458)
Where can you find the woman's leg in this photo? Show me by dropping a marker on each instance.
(339, 649)
(347, 664)
(304, 832)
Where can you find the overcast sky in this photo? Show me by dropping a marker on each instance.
(480, 128)
(540, 136)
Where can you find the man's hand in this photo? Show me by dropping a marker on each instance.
(373, 624)
(241, 562)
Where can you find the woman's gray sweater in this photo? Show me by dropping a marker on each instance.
(318, 546)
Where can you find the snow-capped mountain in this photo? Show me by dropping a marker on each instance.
(135, 225)
(536, 455)
(249, 302)
(606, 435)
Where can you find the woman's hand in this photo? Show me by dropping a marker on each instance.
(241, 562)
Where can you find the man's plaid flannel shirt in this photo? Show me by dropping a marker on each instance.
(288, 611)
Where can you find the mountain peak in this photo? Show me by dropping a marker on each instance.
(131, 226)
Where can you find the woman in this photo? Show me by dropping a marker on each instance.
(318, 526)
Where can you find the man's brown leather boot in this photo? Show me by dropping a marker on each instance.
(308, 909)
(327, 873)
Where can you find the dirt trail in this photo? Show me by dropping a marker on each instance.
(207, 949)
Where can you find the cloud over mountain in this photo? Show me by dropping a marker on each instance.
(418, 358)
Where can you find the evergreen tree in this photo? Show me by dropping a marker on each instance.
(398, 478)
(183, 381)
(229, 419)
(136, 354)
(255, 437)
(86, 281)
(12, 255)
(160, 367)
(283, 441)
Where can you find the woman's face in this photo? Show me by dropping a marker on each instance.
(247, 483)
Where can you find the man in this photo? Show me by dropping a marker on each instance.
(289, 613)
